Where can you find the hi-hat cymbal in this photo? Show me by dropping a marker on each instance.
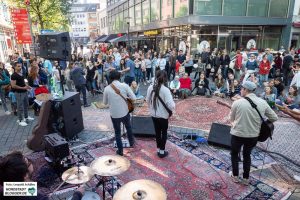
(73, 176)
(141, 190)
(110, 165)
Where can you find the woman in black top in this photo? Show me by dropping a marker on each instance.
(90, 78)
(201, 86)
(224, 61)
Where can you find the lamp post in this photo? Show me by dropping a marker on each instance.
(128, 26)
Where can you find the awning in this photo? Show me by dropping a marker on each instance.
(124, 38)
(296, 24)
(107, 38)
(100, 37)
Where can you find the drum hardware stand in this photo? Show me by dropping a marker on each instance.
(103, 180)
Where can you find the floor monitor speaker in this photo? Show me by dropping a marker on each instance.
(219, 135)
(143, 126)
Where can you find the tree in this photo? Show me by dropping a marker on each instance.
(183, 11)
(48, 14)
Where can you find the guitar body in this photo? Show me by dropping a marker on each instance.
(36, 140)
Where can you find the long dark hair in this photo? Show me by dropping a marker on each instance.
(161, 79)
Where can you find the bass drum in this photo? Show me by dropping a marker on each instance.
(89, 196)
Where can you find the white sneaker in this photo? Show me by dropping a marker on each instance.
(23, 123)
(29, 118)
(7, 113)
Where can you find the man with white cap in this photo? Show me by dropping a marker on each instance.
(246, 124)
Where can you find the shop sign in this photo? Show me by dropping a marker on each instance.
(21, 26)
(202, 46)
(152, 32)
(251, 44)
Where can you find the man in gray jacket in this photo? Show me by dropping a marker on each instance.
(77, 76)
(245, 129)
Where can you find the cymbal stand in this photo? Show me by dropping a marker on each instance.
(103, 180)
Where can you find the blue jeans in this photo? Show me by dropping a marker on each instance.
(117, 126)
(263, 78)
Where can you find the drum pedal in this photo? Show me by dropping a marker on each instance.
(125, 144)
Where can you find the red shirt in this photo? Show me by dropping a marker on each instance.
(264, 67)
(185, 83)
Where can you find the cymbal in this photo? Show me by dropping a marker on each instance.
(110, 165)
(141, 190)
(72, 176)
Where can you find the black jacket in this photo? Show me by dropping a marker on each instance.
(224, 61)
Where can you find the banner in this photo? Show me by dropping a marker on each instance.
(21, 26)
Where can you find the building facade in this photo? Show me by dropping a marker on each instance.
(84, 22)
(102, 19)
(196, 24)
(7, 38)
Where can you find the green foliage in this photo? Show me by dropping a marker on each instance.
(48, 14)
(183, 11)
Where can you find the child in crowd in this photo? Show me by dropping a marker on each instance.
(269, 96)
(13, 102)
(220, 86)
(136, 90)
(175, 86)
(234, 90)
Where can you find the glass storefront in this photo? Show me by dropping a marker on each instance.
(155, 10)
(146, 12)
(167, 12)
(258, 8)
(138, 14)
(204, 7)
(278, 8)
(235, 8)
(181, 8)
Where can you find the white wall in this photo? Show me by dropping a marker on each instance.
(80, 26)
(101, 14)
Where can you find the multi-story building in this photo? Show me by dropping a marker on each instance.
(196, 24)
(102, 19)
(295, 33)
(84, 22)
(7, 38)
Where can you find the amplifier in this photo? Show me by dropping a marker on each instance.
(56, 147)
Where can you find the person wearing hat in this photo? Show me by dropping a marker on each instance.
(246, 124)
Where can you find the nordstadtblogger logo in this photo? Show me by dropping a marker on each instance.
(31, 190)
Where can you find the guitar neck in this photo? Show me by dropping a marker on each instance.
(224, 104)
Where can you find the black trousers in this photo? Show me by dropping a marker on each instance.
(82, 89)
(236, 144)
(161, 131)
(171, 71)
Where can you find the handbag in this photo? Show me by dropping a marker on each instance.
(166, 107)
(130, 102)
(266, 128)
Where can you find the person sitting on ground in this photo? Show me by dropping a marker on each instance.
(136, 90)
(219, 88)
(269, 96)
(185, 86)
(175, 86)
(202, 86)
(289, 98)
(279, 86)
(253, 78)
(272, 86)
(234, 90)
(15, 167)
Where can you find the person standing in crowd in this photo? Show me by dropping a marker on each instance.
(181, 57)
(115, 96)
(286, 67)
(172, 65)
(67, 74)
(251, 67)
(4, 83)
(161, 104)
(188, 65)
(161, 62)
(238, 65)
(117, 57)
(77, 76)
(148, 64)
(20, 88)
(109, 66)
(129, 71)
(224, 61)
(278, 65)
(264, 70)
(245, 129)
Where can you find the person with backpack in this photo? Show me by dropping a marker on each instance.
(246, 125)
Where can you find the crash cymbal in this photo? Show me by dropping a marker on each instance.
(141, 190)
(110, 165)
(72, 176)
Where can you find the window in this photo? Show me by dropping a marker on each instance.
(131, 3)
(205, 7)
(138, 14)
(167, 12)
(258, 8)
(235, 8)
(278, 8)
(155, 10)
(181, 8)
(131, 16)
(146, 12)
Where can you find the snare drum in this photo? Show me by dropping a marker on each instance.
(88, 196)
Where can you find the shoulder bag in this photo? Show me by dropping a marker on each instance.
(166, 107)
(127, 100)
(266, 128)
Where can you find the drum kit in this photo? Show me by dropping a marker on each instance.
(109, 166)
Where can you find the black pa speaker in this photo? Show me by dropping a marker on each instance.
(143, 126)
(55, 46)
(66, 117)
(219, 135)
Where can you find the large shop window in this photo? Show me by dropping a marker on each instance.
(278, 8)
(138, 14)
(146, 12)
(131, 16)
(181, 8)
(235, 8)
(258, 8)
(155, 10)
(205, 7)
(167, 11)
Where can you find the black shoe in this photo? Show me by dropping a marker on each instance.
(163, 155)
(121, 154)
(87, 105)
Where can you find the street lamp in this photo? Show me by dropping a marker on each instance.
(128, 26)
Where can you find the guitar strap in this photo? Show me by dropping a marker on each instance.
(255, 107)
